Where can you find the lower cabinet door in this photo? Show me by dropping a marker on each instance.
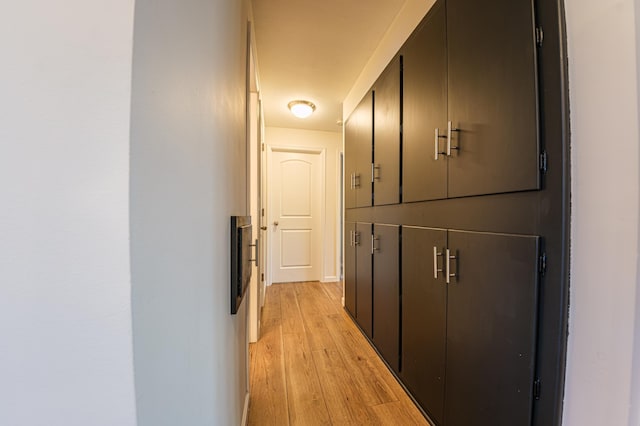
(350, 245)
(491, 329)
(364, 283)
(424, 316)
(386, 293)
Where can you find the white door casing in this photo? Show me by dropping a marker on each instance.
(296, 213)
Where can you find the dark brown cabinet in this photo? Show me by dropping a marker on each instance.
(358, 154)
(492, 97)
(386, 292)
(424, 98)
(470, 116)
(364, 279)
(452, 213)
(386, 136)
(491, 328)
(350, 247)
(469, 324)
(424, 316)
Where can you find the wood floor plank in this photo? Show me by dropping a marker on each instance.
(268, 394)
(291, 315)
(334, 291)
(324, 303)
(271, 308)
(304, 393)
(348, 336)
(344, 403)
(308, 303)
(317, 332)
(369, 380)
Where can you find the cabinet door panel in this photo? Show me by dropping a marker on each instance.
(424, 99)
(364, 283)
(386, 293)
(424, 315)
(386, 137)
(350, 268)
(491, 329)
(358, 154)
(350, 155)
(492, 97)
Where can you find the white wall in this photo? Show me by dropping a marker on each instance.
(188, 176)
(65, 320)
(332, 142)
(603, 81)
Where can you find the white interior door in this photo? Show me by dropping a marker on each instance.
(296, 192)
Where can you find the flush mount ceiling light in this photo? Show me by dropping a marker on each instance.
(301, 109)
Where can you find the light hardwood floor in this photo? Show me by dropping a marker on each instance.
(312, 365)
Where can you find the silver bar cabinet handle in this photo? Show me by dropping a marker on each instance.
(450, 129)
(435, 262)
(449, 275)
(436, 143)
(375, 168)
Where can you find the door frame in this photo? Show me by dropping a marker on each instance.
(267, 201)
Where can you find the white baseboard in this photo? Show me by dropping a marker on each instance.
(330, 279)
(245, 411)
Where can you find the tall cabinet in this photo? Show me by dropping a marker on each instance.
(454, 267)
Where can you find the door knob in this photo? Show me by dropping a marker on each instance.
(275, 223)
(264, 228)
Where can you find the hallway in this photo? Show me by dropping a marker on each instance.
(312, 366)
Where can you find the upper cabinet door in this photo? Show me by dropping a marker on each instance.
(424, 99)
(492, 97)
(358, 153)
(350, 155)
(491, 328)
(386, 136)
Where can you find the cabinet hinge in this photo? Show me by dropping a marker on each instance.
(536, 389)
(542, 263)
(543, 162)
(372, 167)
(262, 212)
(261, 277)
(262, 145)
(539, 36)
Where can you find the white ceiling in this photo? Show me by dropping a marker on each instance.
(314, 50)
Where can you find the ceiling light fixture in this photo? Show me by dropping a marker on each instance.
(301, 109)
